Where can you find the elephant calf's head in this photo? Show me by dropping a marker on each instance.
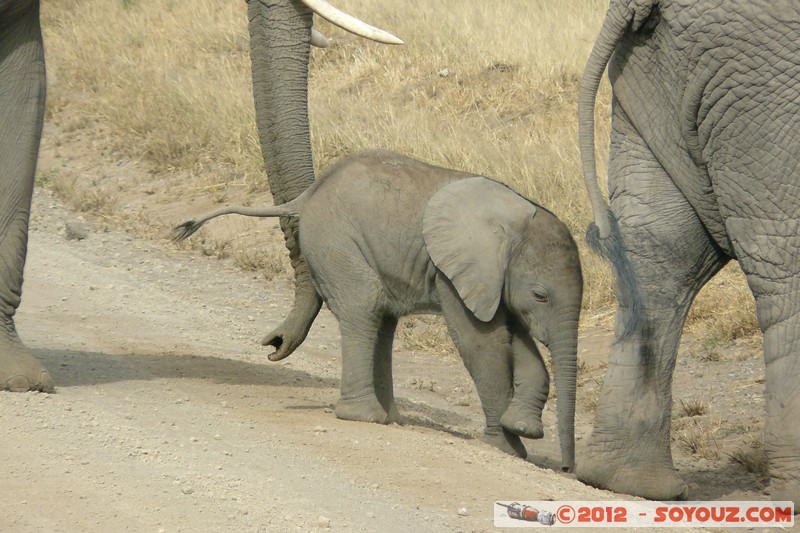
(496, 246)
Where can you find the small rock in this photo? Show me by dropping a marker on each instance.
(76, 231)
(463, 512)
(324, 522)
(444, 72)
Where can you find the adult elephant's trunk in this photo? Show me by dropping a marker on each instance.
(280, 37)
(280, 31)
(564, 351)
(622, 16)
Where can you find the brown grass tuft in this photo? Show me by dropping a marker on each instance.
(694, 407)
(752, 459)
(699, 438)
(427, 334)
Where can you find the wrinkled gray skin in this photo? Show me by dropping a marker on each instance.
(420, 239)
(705, 147)
(280, 31)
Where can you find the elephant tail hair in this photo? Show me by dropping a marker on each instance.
(289, 209)
(628, 294)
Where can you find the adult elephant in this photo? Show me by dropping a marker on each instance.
(280, 34)
(704, 168)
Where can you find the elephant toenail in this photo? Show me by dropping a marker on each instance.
(45, 382)
(18, 384)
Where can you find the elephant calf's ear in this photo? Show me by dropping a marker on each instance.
(468, 228)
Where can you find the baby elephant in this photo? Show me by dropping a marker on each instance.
(385, 236)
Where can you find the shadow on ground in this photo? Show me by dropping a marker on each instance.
(72, 368)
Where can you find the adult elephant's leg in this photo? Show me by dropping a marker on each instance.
(767, 252)
(280, 31)
(665, 258)
(22, 89)
(531, 387)
(485, 348)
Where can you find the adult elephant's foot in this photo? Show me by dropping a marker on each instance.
(20, 371)
(522, 421)
(786, 490)
(629, 472)
(781, 443)
(504, 441)
(366, 409)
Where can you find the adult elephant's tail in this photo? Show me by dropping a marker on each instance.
(622, 16)
(603, 234)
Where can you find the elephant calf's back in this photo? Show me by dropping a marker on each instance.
(364, 223)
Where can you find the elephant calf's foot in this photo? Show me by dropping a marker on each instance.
(365, 409)
(504, 441)
(20, 371)
(522, 422)
(619, 474)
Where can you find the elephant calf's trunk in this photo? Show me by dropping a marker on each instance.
(564, 352)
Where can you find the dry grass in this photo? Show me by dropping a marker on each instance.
(699, 437)
(86, 196)
(270, 263)
(694, 407)
(588, 393)
(724, 312)
(168, 77)
(488, 87)
(426, 333)
(753, 458)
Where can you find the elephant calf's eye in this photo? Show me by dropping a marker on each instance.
(540, 294)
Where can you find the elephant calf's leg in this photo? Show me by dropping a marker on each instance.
(366, 388)
(22, 88)
(486, 351)
(531, 387)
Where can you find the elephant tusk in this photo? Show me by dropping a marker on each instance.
(350, 23)
(318, 40)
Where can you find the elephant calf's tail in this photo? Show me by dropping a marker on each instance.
(289, 209)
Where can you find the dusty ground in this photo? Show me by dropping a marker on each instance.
(168, 416)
